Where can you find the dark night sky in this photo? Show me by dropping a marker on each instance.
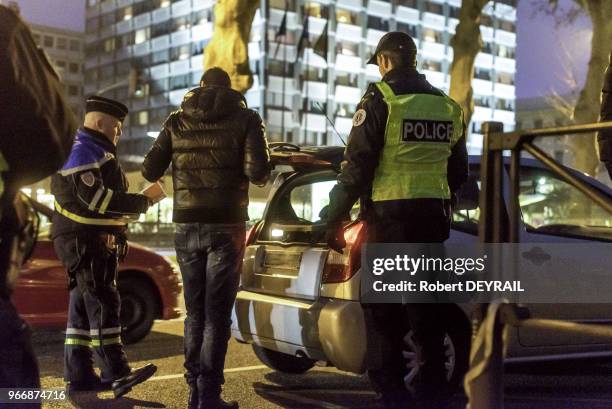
(546, 56)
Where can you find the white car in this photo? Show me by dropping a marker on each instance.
(299, 303)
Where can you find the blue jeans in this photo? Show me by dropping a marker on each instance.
(210, 257)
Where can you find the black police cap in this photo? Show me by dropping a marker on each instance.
(395, 41)
(107, 106)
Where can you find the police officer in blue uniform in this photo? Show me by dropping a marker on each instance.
(91, 210)
(405, 159)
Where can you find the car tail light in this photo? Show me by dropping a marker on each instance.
(251, 234)
(341, 267)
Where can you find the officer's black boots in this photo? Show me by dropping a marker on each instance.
(216, 403)
(94, 384)
(192, 402)
(123, 385)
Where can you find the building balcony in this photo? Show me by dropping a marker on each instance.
(141, 49)
(507, 117)
(372, 72)
(124, 3)
(314, 90)
(482, 87)
(202, 5)
(484, 60)
(437, 79)
(316, 25)
(107, 6)
(505, 11)
(407, 14)
(432, 50)
(124, 26)
(142, 20)
(348, 63)
(433, 20)
(179, 67)
(311, 59)
(505, 38)
(343, 125)
(314, 122)
(176, 96)
(254, 51)
(505, 91)
(348, 32)
(181, 8)
(276, 17)
(159, 71)
(201, 32)
(180, 37)
(505, 65)
(348, 95)
(275, 84)
(482, 114)
(91, 62)
(350, 4)
(197, 62)
(285, 52)
(486, 33)
(379, 8)
(160, 43)
(373, 36)
(161, 15)
(452, 25)
(275, 118)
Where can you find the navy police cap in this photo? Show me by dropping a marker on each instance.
(108, 106)
(395, 41)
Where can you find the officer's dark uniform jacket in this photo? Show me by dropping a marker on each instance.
(605, 137)
(91, 189)
(366, 143)
(216, 146)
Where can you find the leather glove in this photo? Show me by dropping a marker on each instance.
(334, 237)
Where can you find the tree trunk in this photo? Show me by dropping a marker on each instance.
(588, 104)
(229, 46)
(466, 44)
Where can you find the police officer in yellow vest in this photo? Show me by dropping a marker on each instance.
(406, 157)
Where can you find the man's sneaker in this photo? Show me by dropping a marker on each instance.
(123, 385)
(217, 403)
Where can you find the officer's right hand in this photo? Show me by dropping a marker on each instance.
(334, 237)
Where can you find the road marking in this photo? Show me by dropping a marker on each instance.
(230, 370)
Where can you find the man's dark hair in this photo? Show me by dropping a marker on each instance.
(216, 77)
(401, 60)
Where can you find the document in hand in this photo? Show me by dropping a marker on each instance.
(154, 191)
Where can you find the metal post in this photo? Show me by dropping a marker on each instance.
(488, 191)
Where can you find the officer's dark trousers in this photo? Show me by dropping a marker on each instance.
(93, 314)
(414, 221)
(210, 257)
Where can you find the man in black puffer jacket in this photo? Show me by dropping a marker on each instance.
(216, 146)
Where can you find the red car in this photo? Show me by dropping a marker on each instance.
(149, 285)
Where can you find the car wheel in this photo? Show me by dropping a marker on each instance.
(457, 351)
(282, 362)
(138, 309)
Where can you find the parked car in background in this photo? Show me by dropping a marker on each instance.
(149, 285)
(299, 302)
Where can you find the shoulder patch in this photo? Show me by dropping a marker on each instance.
(88, 179)
(359, 117)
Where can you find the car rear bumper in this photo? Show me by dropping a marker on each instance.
(326, 329)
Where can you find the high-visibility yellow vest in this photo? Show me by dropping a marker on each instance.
(420, 133)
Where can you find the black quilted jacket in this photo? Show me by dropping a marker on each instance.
(216, 146)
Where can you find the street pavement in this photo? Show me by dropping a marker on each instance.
(254, 386)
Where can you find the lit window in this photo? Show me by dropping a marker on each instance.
(143, 117)
(141, 36)
(164, 3)
(127, 13)
(312, 9)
